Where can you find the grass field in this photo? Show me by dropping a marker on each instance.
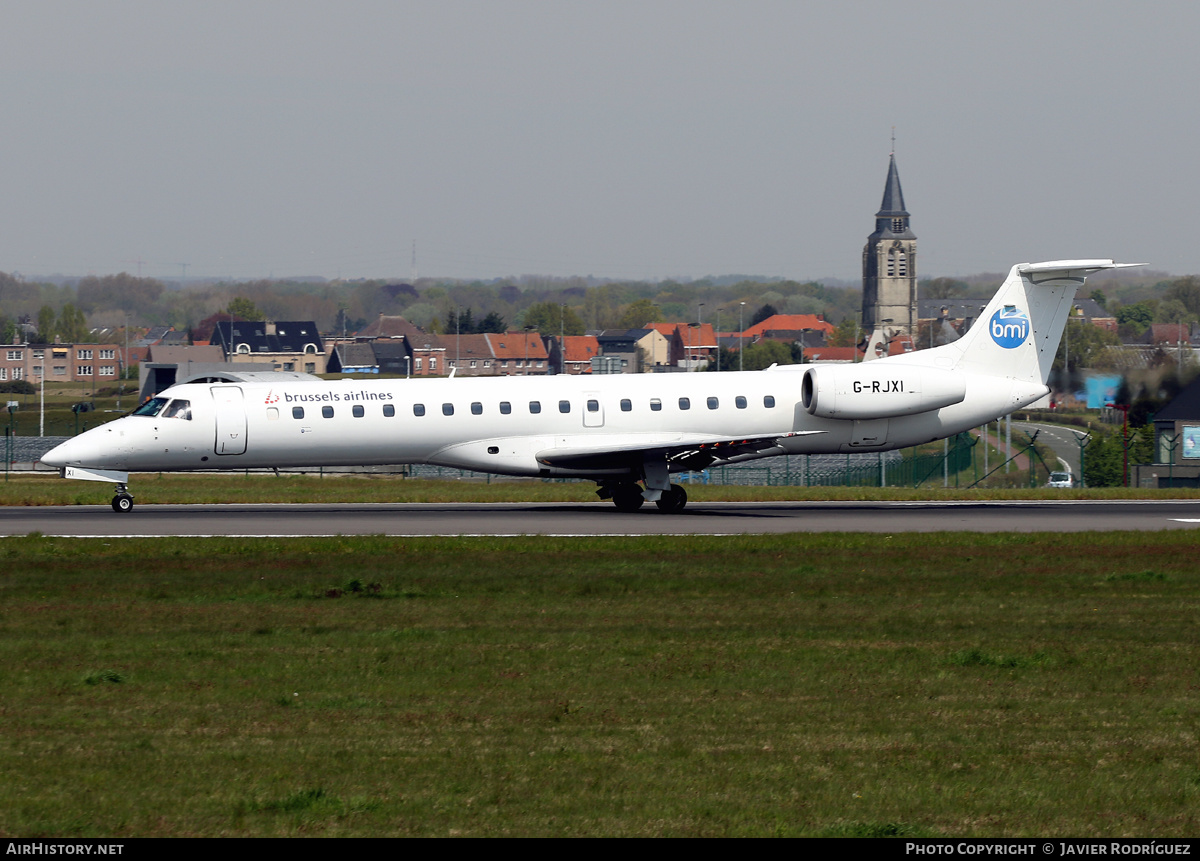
(208, 488)
(933, 685)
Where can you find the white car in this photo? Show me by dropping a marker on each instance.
(1060, 479)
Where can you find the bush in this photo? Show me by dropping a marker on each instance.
(18, 387)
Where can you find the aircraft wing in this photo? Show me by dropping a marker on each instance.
(687, 452)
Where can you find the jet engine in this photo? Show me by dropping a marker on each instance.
(878, 390)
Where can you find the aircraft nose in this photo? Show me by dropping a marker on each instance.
(82, 450)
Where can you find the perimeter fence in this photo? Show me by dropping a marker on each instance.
(906, 468)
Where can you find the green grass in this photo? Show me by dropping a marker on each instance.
(212, 488)
(837, 685)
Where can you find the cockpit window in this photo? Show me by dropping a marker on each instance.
(151, 407)
(179, 409)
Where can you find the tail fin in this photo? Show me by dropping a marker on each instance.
(1017, 334)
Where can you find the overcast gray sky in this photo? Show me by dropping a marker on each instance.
(617, 138)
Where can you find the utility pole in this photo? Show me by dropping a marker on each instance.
(741, 335)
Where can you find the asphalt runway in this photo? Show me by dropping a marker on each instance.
(712, 518)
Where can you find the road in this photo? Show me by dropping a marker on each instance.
(1062, 440)
(714, 518)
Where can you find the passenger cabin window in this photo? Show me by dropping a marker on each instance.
(358, 411)
(740, 402)
(418, 409)
(769, 401)
(593, 406)
(655, 405)
(713, 403)
(297, 412)
(327, 412)
(564, 406)
(505, 408)
(685, 403)
(476, 409)
(447, 409)
(535, 407)
(626, 405)
(151, 407)
(389, 410)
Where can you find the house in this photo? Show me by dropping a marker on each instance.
(1176, 443)
(572, 354)
(291, 345)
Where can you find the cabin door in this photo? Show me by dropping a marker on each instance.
(231, 419)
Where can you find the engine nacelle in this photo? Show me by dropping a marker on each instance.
(878, 390)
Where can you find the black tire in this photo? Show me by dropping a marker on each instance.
(122, 503)
(673, 500)
(628, 499)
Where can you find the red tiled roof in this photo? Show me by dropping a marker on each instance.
(789, 323)
(580, 348)
(518, 345)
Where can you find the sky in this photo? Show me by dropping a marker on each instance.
(620, 139)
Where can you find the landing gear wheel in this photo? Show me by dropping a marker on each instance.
(122, 503)
(672, 501)
(628, 498)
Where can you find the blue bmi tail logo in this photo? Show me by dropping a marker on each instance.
(1009, 327)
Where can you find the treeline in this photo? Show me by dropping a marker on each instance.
(545, 303)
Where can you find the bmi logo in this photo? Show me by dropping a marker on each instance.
(1009, 327)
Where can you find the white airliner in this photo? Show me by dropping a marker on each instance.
(627, 433)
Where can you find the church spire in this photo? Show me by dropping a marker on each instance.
(891, 221)
(890, 264)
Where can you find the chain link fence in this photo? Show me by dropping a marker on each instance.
(879, 469)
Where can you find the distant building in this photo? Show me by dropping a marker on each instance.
(1176, 443)
(890, 264)
(289, 345)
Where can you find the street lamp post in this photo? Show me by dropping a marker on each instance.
(717, 338)
(741, 335)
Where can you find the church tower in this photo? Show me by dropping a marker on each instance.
(890, 265)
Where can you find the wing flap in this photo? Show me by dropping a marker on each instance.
(692, 452)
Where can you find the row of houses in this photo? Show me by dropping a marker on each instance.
(394, 346)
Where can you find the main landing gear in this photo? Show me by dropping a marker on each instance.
(628, 497)
(122, 502)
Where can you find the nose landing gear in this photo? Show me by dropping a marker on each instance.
(122, 502)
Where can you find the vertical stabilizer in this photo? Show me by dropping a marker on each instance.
(1017, 334)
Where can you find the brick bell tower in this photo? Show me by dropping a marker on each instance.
(890, 265)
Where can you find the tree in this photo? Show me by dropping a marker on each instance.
(766, 353)
(1104, 457)
(457, 323)
(72, 325)
(493, 322)
(123, 291)
(764, 313)
(47, 324)
(638, 314)
(549, 317)
(244, 309)
(1136, 317)
(944, 288)
(1187, 292)
(845, 333)
(1081, 345)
